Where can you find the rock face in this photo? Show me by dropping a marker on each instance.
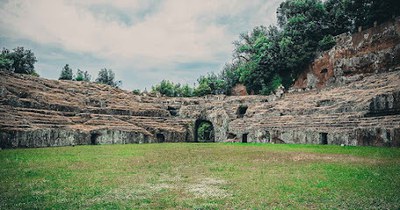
(356, 102)
(37, 112)
(374, 50)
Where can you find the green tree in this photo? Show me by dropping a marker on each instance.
(230, 75)
(82, 76)
(187, 91)
(66, 73)
(136, 92)
(338, 17)
(107, 77)
(166, 88)
(19, 60)
(205, 132)
(5, 63)
(202, 90)
(365, 12)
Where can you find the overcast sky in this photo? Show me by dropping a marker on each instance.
(142, 41)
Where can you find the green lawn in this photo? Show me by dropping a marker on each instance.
(200, 176)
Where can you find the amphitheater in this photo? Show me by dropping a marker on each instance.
(349, 95)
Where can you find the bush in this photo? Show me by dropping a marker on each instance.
(136, 92)
(18, 61)
(66, 73)
(327, 43)
(107, 77)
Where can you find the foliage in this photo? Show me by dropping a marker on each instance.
(327, 42)
(170, 89)
(5, 63)
(265, 58)
(66, 73)
(205, 132)
(107, 77)
(136, 92)
(166, 88)
(202, 90)
(82, 76)
(187, 91)
(210, 84)
(18, 60)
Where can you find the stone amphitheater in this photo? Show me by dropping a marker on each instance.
(349, 95)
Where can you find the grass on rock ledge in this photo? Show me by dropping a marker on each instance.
(201, 176)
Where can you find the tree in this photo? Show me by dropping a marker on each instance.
(136, 92)
(107, 77)
(167, 88)
(82, 76)
(202, 90)
(66, 73)
(205, 132)
(338, 17)
(5, 63)
(187, 91)
(18, 61)
(365, 12)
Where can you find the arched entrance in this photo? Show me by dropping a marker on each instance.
(204, 131)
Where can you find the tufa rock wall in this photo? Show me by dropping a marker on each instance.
(374, 50)
(37, 112)
(354, 100)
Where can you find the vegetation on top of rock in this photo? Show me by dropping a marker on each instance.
(19, 60)
(107, 77)
(263, 58)
(267, 57)
(82, 76)
(66, 73)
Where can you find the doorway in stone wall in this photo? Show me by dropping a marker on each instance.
(267, 137)
(93, 138)
(244, 138)
(323, 138)
(204, 131)
(160, 138)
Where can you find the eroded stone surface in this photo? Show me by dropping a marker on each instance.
(36, 112)
(374, 50)
(359, 105)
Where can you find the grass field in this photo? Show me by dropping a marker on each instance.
(200, 176)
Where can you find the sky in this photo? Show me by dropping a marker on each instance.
(142, 41)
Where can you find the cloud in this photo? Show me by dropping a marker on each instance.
(149, 39)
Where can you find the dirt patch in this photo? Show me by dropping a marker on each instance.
(208, 188)
(331, 158)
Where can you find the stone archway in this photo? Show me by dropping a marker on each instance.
(204, 131)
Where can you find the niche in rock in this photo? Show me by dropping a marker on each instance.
(244, 138)
(93, 138)
(267, 136)
(324, 71)
(241, 111)
(323, 138)
(160, 138)
(231, 136)
(204, 131)
(173, 111)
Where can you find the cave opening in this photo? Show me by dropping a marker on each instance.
(267, 136)
(160, 138)
(93, 138)
(241, 111)
(204, 131)
(323, 138)
(244, 138)
(173, 111)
